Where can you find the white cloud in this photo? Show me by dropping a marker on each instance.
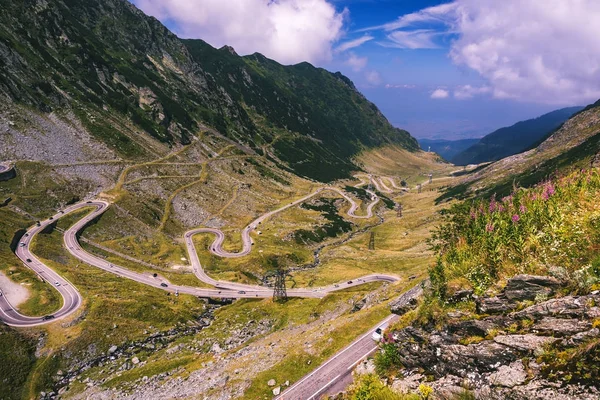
(288, 31)
(390, 86)
(373, 78)
(353, 43)
(530, 50)
(543, 51)
(440, 94)
(418, 39)
(356, 63)
(468, 91)
(427, 15)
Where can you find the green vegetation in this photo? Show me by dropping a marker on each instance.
(370, 387)
(43, 298)
(386, 358)
(580, 364)
(335, 227)
(556, 223)
(511, 140)
(17, 353)
(138, 88)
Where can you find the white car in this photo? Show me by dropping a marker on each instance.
(377, 334)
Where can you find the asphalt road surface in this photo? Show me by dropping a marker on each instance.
(338, 367)
(72, 299)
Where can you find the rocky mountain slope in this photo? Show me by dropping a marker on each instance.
(505, 347)
(514, 139)
(140, 90)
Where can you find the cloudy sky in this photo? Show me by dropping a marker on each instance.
(440, 69)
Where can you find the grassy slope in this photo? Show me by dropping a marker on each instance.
(573, 146)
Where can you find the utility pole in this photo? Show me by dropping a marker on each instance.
(399, 210)
(372, 241)
(279, 291)
(430, 177)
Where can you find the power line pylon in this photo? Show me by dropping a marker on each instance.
(279, 288)
(372, 241)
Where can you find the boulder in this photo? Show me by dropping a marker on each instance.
(528, 343)
(483, 357)
(407, 301)
(112, 349)
(561, 327)
(472, 327)
(509, 375)
(582, 337)
(494, 305)
(461, 295)
(528, 287)
(276, 391)
(271, 382)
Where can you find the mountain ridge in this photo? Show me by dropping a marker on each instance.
(514, 139)
(125, 75)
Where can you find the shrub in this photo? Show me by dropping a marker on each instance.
(529, 231)
(387, 358)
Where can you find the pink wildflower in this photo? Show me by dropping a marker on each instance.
(515, 218)
(523, 209)
(489, 227)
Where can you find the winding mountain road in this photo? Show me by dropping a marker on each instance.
(72, 299)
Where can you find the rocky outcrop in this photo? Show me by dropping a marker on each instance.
(528, 287)
(504, 356)
(408, 300)
(519, 288)
(7, 172)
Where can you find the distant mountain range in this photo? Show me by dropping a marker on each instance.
(446, 148)
(511, 140)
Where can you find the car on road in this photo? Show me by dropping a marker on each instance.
(27, 234)
(57, 283)
(164, 284)
(88, 202)
(47, 317)
(29, 260)
(242, 292)
(349, 282)
(22, 244)
(377, 334)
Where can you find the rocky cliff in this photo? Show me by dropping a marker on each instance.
(528, 342)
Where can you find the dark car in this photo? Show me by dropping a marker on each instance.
(241, 292)
(164, 284)
(47, 317)
(89, 202)
(349, 282)
(29, 260)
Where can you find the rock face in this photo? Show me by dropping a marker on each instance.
(518, 288)
(407, 301)
(501, 356)
(528, 287)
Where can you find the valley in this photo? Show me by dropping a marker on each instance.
(180, 221)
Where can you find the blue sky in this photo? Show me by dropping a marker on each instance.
(440, 69)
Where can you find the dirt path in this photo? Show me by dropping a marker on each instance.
(15, 294)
